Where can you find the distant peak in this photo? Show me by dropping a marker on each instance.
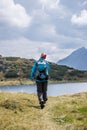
(82, 48)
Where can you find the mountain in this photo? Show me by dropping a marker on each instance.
(77, 59)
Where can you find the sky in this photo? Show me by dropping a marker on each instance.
(31, 27)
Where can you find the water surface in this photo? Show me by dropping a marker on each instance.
(53, 89)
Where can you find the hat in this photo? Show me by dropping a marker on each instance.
(43, 55)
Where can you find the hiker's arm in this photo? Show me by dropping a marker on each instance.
(48, 66)
(33, 71)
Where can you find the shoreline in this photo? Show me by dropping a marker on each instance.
(18, 82)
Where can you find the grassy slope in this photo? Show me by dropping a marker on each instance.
(16, 71)
(14, 81)
(21, 111)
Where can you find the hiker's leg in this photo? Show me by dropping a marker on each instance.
(39, 91)
(45, 91)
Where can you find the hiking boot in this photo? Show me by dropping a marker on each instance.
(45, 101)
(42, 105)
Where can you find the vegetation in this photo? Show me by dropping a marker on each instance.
(21, 111)
(20, 68)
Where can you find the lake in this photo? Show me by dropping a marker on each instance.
(53, 89)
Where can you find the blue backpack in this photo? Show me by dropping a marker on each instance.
(41, 70)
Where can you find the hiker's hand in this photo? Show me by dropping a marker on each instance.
(32, 79)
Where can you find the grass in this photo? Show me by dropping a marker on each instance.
(15, 81)
(21, 111)
(27, 81)
(72, 112)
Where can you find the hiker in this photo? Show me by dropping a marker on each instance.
(40, 75)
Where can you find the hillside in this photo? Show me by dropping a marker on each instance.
(77, 59)
(21, 111)
(20, 68)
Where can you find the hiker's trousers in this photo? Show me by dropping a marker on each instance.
(42, 91)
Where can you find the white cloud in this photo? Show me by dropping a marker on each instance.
(50, 3)
(50, 31)
(26, 48)
(54, 8)
(29, 49)
(80, 19)
(13, 14)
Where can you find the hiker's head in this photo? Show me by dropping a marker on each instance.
(43, 55)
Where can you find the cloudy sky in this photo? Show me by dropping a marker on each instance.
(30, 27)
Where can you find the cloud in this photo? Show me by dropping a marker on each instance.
(14, 14)
(84, 3)
(29, 27)
(26, 48)
(50, 3)
(46, 32)
(29, 49)
(54, 8)
(80, 19)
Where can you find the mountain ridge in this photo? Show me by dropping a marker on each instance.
(20, 68)
(77, 59)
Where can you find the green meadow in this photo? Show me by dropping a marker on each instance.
(21, 111)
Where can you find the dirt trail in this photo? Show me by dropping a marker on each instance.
(45, 119)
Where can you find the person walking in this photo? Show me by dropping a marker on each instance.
(40, 73)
